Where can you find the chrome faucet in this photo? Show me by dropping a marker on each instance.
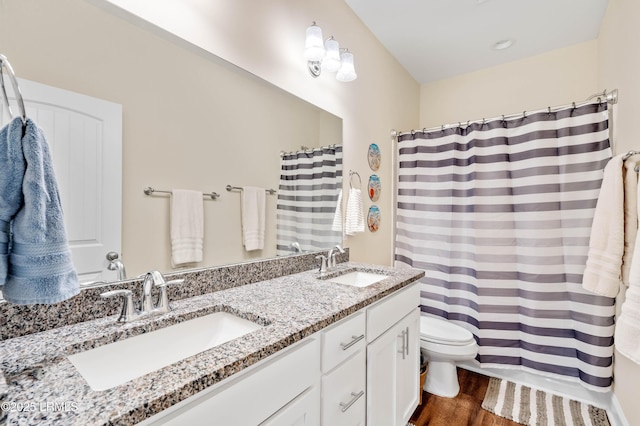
(331, 256)
(115, 264)
(323, 264)
(151, 279)
(296, 245)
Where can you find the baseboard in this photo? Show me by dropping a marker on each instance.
(606, 400)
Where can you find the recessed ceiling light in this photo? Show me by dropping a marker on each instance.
(503, 44)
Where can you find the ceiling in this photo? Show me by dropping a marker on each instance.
(436, 39)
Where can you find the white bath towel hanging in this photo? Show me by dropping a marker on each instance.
(603, 271)
(253, 212)
(354, 216)
(627, 332)
(630, 214)
(187, 226)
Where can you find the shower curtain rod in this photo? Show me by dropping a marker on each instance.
(610, 97)
(307, 150)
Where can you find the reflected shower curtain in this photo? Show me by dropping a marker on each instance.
(310, 182)
(499, 216)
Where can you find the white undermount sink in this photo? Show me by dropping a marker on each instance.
(358, 278)
(117, 363)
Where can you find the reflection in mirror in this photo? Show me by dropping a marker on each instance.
(190, 121)
(309, 207)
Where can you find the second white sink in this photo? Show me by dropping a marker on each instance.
(117, 363)
(358, 278)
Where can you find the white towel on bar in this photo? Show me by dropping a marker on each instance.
(354, 216)
(187, 226)
(627, 332)
(603, 271)
(337, 215)
(253, 212)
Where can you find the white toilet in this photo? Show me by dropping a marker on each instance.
(443, 344)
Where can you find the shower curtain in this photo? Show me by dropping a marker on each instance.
(310, 182)
(498, 214)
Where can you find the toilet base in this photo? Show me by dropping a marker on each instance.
(442, 379)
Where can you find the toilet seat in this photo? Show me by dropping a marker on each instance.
(440, 331)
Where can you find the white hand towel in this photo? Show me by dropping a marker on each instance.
(187, 226)
(337, 215)
(354, 217)
(602, 274)
(627, 332)
(253, 211)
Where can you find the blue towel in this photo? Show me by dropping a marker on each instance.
(40, 268)
(12, 166)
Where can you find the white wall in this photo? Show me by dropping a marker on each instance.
(551, 79)
(619, 67)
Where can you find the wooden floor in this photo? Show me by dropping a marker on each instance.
(463, 410)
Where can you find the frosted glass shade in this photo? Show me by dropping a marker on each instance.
(331, 61)
(314, 44)
(347, 71)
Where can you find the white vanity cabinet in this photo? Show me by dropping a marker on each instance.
(361, 370)
(393, 357)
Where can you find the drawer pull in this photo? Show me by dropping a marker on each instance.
(355, 340)
(347, 405)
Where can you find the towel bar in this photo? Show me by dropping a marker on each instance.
(231, 188)
(149, 190)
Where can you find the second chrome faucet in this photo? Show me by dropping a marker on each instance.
(328, 262)
(147, 307)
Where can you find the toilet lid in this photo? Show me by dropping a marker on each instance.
(442, 331)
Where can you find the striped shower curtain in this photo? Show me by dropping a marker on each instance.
(499, 214)
(310, 182)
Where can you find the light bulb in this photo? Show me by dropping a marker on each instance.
(347, 71)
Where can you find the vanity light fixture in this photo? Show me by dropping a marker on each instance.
(327, 56)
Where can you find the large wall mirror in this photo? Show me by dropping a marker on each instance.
(190, 121)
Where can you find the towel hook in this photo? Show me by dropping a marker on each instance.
(4, 63)
(351, 173)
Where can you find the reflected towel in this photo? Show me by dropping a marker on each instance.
(187, 226)
(12, 167)
(40, 267)
(337, 215)
(253, 217)
(354, 216)
(602, 274)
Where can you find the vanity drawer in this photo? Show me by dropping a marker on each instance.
(342, 340)
(388, 311)
(344, 392)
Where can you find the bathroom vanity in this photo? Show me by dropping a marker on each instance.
(322, 352)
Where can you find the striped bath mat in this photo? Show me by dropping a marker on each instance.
(534, 407)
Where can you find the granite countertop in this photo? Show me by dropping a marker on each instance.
(44, 388)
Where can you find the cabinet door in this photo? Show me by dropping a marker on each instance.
(407, 368)
(381, 377)
(393, 373)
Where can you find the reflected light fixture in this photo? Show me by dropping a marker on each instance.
(326, 55)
